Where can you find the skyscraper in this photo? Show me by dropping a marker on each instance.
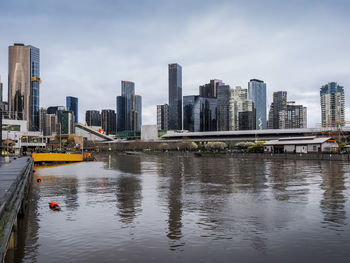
(24, 82)
(66, 118)
(332, 105)
(42, 119)
(34, 87)
(279, 104)
(136, 112)
(129, 108)
(257, 93)
(285, 114)
(162, 117)
(19, 83)
(72, 105)
(93, 118)
(209, 90)
(175, 97)
(199, 114)
(239, 103)
(109, 121)
(1, 92)
(223, 108)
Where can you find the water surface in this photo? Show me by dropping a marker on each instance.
(189, 209)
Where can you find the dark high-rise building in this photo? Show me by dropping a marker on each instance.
(129, 108)
(109, 121)
(247, 120)
(200, 114)
(42, 119)
(121, 125)
(284, 114)
(223, 94)
(72, 105)
(34, 87)
(257, 93)
(93, 118)
(136, 113)
(162, 117)
(209, 90)
(175, 97)
(279, 104)
(66, 118)
(1, 110)
(1, 92)
(55, 109)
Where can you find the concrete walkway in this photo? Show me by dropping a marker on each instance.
(9, 174)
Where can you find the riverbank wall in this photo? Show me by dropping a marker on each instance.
(15, 184)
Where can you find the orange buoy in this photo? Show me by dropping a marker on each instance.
(38, 179)
(54, 205)
(33, 170)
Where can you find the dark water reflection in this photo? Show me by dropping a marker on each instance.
(183, 209)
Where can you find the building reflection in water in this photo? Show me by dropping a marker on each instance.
(129, 190)
(171, 171)
(333, 202)
(289, 180)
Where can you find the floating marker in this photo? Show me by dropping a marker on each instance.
(38, 179)
(54, 206)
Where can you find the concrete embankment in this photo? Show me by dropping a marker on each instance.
(285, 156)
(15, 182)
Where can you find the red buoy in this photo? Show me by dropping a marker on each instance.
(54, 205)
(38, 179)
(33, 170)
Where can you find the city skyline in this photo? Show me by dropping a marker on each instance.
(291, 47)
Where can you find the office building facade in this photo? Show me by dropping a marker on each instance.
(66, 119)
(24, 84)
(286, 114)
(136, 112)
(19, 83)
(209, 90)
(200, 114)
(175, 97)
(279, 104)
(239, 103)
(223, 93)
(129, 108)
(257, 93)
(35, 82)
(162, 117)
(93, 118)
(72, 105)
(108, 121)
(332, 105)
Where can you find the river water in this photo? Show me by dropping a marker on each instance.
(189, 209)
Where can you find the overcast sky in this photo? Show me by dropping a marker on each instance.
(88, 46)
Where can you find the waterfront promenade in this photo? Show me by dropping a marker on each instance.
(15, 179)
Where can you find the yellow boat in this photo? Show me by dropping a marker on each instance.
(57, 157)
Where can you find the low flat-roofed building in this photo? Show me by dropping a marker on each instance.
(309, 144)
(23, 140)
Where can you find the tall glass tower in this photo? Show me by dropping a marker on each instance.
(72, 105)
(129, 108)
(175, 97)
(257, 93)
(34, 87)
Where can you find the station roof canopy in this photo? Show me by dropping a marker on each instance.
(298, 141)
